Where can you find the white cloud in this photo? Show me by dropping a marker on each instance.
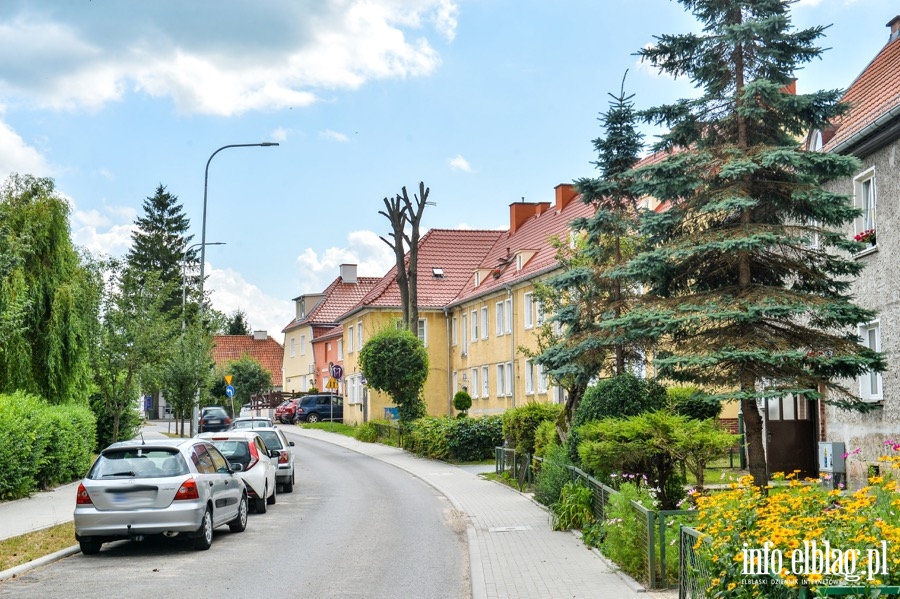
(246, 56)
(364, 248)
(16, 156)
(460, 164)
(229, 291)
(105, 233)
(334, 136)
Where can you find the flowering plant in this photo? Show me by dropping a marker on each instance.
(760, 537)
(867, 236)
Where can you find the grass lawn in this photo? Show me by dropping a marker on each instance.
(332, 427)
(20, 550)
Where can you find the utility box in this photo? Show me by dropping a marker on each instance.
(831, 457)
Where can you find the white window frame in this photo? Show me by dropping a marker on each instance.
(540, 316)
(865, 197)
(465, 334)
(529, 377)
(350, 339)
(541, 379)
(340, 349)
(870, 335)
(359, 335)
(302, 345)
(484, 322)
(507, 320)
(474, 383)
(509, 378)
(453, 331)
(528, 310)
(498, 318)
(293, 348)
(501, 380)
(474, 326)
(422, 331)
(486, 381)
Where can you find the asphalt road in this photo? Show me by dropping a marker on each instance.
(353, 527)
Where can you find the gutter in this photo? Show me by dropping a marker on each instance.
(867, 131)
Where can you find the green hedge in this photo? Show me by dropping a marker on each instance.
(454, 439)
(520, 424)
(42, 445)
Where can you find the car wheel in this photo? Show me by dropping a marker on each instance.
(239, 524)
(90, 546)
(312, 418)
(260, 505)
(288, 487)
(203, 540)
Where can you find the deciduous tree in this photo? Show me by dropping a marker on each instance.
(396, 362)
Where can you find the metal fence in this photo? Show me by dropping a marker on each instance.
(389, 432)
(516, 465)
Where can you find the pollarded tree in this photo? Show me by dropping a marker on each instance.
(738, 296)
(395, 362)
(49, 295)
(584, 294)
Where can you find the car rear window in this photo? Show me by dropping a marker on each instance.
(271, 438)
(138, 462)
(235, 451)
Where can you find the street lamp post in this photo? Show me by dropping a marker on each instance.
(184, 277)
(265, 144)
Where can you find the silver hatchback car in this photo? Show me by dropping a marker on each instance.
(168, 486)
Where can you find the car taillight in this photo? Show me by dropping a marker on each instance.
(187, 490)
(82, 497)
(300, 410)
(254, 456)
(283, 457)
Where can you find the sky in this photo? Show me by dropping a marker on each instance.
(487, 102)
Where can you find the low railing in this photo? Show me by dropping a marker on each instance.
(389, 432)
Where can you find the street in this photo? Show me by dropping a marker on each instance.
(353, 527)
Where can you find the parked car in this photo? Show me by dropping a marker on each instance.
(313, 408)
(251, 422)
(257, 463)
(276, 440)
(214, 418)
(280, 411)
(168, 486)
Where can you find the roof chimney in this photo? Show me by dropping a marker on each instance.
(790, 88)
(894, 24)
(565, 193)
(348, 273)
(260, 335)
(519, 212)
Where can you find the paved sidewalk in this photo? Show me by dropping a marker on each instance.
(513, 551)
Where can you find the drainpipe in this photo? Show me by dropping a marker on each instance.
(512, 341)
(449, 370)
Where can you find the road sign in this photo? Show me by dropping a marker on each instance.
(337, 371)
(227, 379)
(331, 384)
(229, 390)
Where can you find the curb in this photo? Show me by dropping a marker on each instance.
(41, 561)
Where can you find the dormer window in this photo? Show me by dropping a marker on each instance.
(438, 273)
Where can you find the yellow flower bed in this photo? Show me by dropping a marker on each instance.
(800, 534)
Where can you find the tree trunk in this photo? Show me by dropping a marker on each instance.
(753, 441)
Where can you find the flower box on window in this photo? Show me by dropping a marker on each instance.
(867, 236)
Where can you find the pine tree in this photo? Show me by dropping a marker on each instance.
(585, 293)
(737, 296)
(159, 244)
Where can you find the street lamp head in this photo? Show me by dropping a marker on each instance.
(266, 144)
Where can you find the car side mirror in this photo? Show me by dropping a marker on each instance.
(291, 443)
(274, 453)
(237, 467)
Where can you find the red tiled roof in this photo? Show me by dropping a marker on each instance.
(457, 252)
(332, 333)
(269, 353)
(533, 234)
(339, 298)
(872, 94)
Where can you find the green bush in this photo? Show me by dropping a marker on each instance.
(42, 445)
(462, 401)
(574, 508)
(454, 439)
(367, 433)
(545, 438)
(520, 424)
(623, 534)
(693, 403)
(552, 476)
(620, 396)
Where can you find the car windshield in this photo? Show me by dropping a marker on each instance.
(214, 413)
(251, 423)
(271, 439)
(138, 462)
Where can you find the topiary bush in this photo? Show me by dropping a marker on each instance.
(462, 401)
(520, 424)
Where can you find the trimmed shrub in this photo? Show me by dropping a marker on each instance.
(454, 439)
(22, 443)
(462, 401)
(520, 424)
(71, 437)
(545, 438)
(693, 403)
(367, 433)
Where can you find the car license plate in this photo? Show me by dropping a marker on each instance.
(215, 421)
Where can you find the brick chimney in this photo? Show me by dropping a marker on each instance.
(348, 273)
(790, 88)
(519, 212)
(565, 193)
(894, 24)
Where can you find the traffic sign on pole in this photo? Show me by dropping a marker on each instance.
(229, 391)
(337, 371)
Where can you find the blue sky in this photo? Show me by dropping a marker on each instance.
(486, 101)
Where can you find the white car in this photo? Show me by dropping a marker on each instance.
(258, 463)
(276, 440)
